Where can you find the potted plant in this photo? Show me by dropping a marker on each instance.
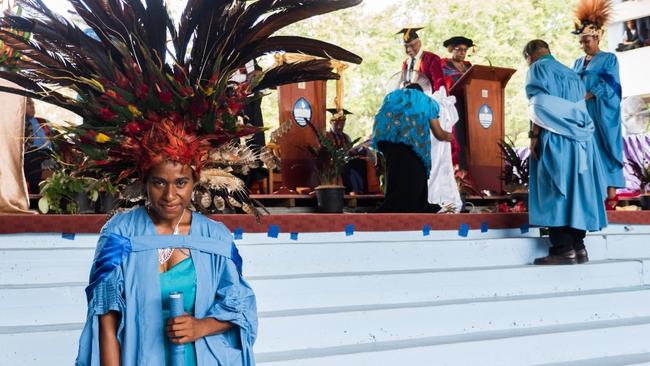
(64, 193)
(642, 173)
(330, 161)
(108, 194)
(515, 171)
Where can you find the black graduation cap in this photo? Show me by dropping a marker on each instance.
(458, 40)
(409, 34)
(334, 111)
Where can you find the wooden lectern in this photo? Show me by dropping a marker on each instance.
(480, 93)
(297, 164)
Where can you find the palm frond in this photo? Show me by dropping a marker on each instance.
(297, 72)
(294, 44)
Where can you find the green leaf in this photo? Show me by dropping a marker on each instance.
(43, 205)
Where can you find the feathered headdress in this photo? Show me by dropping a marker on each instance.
(145, 97)
(592, 16)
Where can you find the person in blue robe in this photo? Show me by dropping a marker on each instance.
(144, 254)
(566, 187)
(599, 72)
(401, 134)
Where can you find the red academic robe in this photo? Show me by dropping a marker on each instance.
(429, 65)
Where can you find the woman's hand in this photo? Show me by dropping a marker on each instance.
(589, 95)
(186, 328)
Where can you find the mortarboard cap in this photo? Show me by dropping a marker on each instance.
(334, 111)
(409, 34)
(458, 40)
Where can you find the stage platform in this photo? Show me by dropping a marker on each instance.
(308, 223)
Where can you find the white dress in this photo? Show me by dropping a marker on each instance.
(443, 190)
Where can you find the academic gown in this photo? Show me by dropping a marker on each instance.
(125, 278)
(601, 78)
(567, 183)
(429, 65)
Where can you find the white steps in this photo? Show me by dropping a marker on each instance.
(512, 347)
(377, 299)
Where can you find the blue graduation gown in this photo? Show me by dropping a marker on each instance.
(601, 78)
(404, 118)
(566, 185)
(125, 278)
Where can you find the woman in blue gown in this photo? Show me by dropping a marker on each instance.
(146, 253)
(599, 71)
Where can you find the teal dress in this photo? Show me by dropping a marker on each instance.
(180, 278)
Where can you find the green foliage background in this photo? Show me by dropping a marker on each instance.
(500, 29)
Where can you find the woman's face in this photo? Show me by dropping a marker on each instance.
(169, 188)
(458, 52)
(589, 44)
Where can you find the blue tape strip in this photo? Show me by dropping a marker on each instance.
(463, 230)
(525, 228)
(426, 230)
(69, 236)
(349, 229)
(239, 233)
(294, 236)
(484, 227)
(274, 231)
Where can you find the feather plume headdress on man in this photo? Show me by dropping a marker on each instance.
(145, 97)
(592, 16)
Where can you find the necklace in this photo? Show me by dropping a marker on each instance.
(165, 254)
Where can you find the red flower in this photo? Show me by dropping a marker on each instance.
(88, 137)
(112, 97)
(153, 116)
(147, 124)
(132, 129)
(520, 207)
(142, 91)
(107, 114)
(199, 106)
(121, 80)
(165, 96)
(175, 117)
(235, 106)
(186, 91)
(503, 207)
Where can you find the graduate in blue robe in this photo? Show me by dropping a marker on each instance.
(600, 73)
(125, 278)
(567, 189)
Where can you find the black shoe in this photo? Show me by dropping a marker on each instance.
(582, 256)
(557, 259)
